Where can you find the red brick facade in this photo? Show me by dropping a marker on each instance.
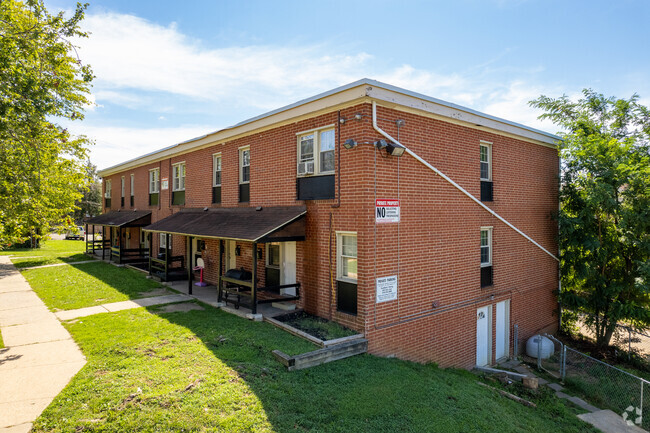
(433, 250)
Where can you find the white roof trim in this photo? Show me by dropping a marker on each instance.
(363, 90)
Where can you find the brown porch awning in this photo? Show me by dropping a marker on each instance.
(129, 218)
(268, 224)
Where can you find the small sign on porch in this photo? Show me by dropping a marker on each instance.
(386, 211)
(386, 288)
(164, 183)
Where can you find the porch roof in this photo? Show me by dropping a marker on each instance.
(134, 218)
(251, 224)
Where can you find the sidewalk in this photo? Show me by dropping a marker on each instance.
(40, 356)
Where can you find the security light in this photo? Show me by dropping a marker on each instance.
(395, 149)
(381, 144)
(350, 144)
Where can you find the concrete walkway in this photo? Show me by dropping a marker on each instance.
(119, 306)
(40, 356)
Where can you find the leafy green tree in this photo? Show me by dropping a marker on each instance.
(605, 209)
(90, 203)
(41, 164)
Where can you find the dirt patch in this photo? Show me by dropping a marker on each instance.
(155, 292)
(318, 327)
(183, 308)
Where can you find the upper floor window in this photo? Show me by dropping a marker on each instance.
(244, 165)
(486, 161)
(154, 181)
(122, 186)
(132, 185)
(316, 151)
(178, 173)
(108, 191)
(346, 268)
(486, 256)
(216, 165)
(486, 246)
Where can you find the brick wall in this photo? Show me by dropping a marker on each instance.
(434, 250)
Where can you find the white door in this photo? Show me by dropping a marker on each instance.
(483, 336)
(231, 258)
(502, 326)
(288, 266)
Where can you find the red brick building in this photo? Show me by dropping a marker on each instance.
(435, 255)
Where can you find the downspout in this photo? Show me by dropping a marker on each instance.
(458, 187)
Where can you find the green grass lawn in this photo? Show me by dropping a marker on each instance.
(88, 284)
(206, 370)
(2, 343)
(50, 252)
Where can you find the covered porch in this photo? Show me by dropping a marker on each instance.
(120, 239)
(232, 245)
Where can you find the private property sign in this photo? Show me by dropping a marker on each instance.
(386, 288)
(386, 211)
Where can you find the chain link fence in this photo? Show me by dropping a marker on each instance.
(601, 384)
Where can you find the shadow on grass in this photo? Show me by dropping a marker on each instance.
(49, 260)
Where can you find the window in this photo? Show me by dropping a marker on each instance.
(122, 191)
(347, 257)
(216, 178)
(154, 181)
(178, 171)
(244, 165)
(107, 193)
(487, 192)
(273, 254)
(316, 151)
(486, 256)
(154, 186)
(163, 240)
(244, 174)
(132, 189)
(486, 160)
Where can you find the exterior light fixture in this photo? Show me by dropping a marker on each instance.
(350, 144)
(395, 149)
(259, 254)
(238, 250)
(381, 144)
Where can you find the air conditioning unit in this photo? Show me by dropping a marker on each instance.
(306, 167)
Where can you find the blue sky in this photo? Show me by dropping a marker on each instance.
(168, 71)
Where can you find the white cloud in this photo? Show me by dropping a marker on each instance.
(114, 145)
(145, 66)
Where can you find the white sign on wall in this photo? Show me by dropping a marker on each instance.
(164, 183)
(386, 288)
(386, 211)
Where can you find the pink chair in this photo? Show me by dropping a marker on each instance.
(199, 267)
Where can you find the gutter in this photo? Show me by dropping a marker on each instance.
(454, 184)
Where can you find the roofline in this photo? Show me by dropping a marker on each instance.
(359, 91)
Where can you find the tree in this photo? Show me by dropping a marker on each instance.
(90, 203)
(41, 164)
(604, 216)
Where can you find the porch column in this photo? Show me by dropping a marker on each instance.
(103, 241)
(122, 242)
(93, 237)
(190, 273)
(254, 284)
(219, 271)
(86, 238)
(167, 250)
(150, 237)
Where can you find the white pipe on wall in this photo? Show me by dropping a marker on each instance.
(460, 188)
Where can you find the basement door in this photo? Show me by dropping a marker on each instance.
(483, 325)
(281, 265)
(501, 346)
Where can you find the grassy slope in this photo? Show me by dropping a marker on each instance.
(56, 251)
(242, 388)
(211, 371)
(86, 285)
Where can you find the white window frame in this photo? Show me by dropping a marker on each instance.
(122, 186)
(108, 189)
(178, 173)
(489, 246)
(163, 241)
(216, 157)
(241, 164)
(488, 146)
(316, 132)
(154, 178)
(340, 256)
(132, 184)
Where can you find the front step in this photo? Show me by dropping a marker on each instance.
(322, 356)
